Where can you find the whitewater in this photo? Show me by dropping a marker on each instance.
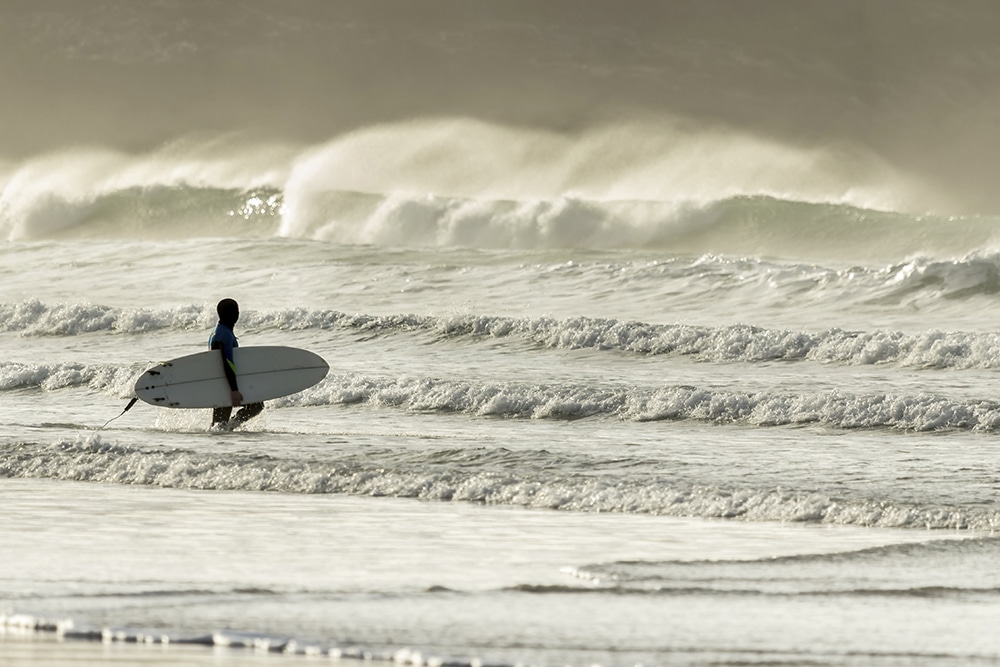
(689, 379)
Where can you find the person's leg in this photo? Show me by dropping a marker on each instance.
(248, 412)
(220, 416)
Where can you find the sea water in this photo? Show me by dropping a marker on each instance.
(575, 414)
(573, 480)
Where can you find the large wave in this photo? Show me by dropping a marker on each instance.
(460, 182)
(574, 400)
(739, 225)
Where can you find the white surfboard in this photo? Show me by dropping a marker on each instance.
(262, 373)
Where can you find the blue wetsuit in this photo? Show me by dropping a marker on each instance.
(223, 338)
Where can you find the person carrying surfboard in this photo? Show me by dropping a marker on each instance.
(224, 339)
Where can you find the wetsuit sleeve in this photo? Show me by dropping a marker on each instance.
(228, 367)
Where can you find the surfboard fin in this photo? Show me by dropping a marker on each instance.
(127, 408)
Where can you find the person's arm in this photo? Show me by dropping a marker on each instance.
(229, 368)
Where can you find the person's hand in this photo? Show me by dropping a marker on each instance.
(237, 398)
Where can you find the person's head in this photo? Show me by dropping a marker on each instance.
(229, 312)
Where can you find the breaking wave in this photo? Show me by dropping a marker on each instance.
(570, 401)
(618, 187)
(755, 225)
(732, 343)
(502, 478)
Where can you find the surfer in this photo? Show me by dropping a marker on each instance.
(224, 339)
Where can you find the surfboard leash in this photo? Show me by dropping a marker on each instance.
(127, 408)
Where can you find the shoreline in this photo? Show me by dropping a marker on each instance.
(42, 648)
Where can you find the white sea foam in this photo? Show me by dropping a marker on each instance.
(26, 623)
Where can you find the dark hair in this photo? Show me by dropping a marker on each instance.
(229, 311)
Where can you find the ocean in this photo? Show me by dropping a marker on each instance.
(658, 333)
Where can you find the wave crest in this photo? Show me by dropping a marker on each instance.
(419, 184)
